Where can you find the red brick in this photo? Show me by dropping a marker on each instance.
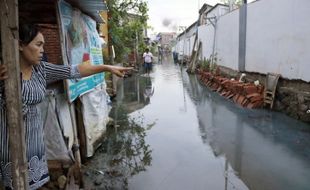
(249, 96)
(258, 104)
(235, 98)
(230, 96)
(250, 105)
(224, 93)
(219, 89)
(256, 98)
(240, 99)
(245, 102)
(250, 89)
(52, 42)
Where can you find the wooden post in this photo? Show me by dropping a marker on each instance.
(242, 36)
(10, 55)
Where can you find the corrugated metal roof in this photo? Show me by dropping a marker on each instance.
(90, 7)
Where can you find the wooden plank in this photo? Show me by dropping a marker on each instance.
(75, 170)
(193, 56)
(81, 132)
(10, 55)
(71, 105)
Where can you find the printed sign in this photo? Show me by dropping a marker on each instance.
(82, 45)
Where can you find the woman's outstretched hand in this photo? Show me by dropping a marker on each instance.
(120, 71)
(88, 69)
(3, 72)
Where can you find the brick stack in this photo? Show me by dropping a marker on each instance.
(245, 94)
(52, 43)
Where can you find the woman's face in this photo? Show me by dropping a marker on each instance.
(32, 53)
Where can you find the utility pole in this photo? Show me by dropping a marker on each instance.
(10, 56)
(213, 21)
(242, 35)
(230, 5)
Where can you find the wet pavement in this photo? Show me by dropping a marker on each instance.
(172, 133)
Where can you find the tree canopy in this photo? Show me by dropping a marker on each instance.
(127, 20)
(234, 2)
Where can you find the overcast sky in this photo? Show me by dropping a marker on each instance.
(168, 15)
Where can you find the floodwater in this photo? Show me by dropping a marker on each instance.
(172, 133)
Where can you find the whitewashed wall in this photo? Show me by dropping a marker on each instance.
(206, 32)
(189, 45)
(186, 41)
(192, 40)
(205, 36)
(278, 38)
(227, 40)
(218, 11)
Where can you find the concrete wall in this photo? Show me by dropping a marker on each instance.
(218, 11)
(205, 36)
(227, 40)
(178, 46)
(278, 38)
(185, 42)
(189, 45)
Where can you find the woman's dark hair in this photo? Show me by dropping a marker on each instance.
(27, 32)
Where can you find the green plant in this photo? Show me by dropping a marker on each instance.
(238, 3)
(213, 68)
(206, 64)
(213, 63)
(127, 21)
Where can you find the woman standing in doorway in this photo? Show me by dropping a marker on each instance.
(35, 74)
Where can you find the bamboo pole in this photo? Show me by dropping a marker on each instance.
(10, 55)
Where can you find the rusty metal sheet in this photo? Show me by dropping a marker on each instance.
(44, 11)
(90, 7)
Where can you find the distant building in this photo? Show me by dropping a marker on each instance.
(204, 9)
(208, 12)
(165, 39)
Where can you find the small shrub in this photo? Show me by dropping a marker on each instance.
(206, 64)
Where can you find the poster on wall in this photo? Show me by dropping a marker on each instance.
(82, 44)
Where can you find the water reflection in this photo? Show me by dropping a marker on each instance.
(124, 153)
(267, 150)
(148, 89)
(135, 92)
(201, 141)
(180, 161)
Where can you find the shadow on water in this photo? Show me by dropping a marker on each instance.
(267, 150)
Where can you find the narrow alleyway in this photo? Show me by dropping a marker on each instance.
(171, 133)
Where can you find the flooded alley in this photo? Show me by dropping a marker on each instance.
(172, 133)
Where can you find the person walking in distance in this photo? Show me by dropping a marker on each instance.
(148, 60)
(160, 54)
